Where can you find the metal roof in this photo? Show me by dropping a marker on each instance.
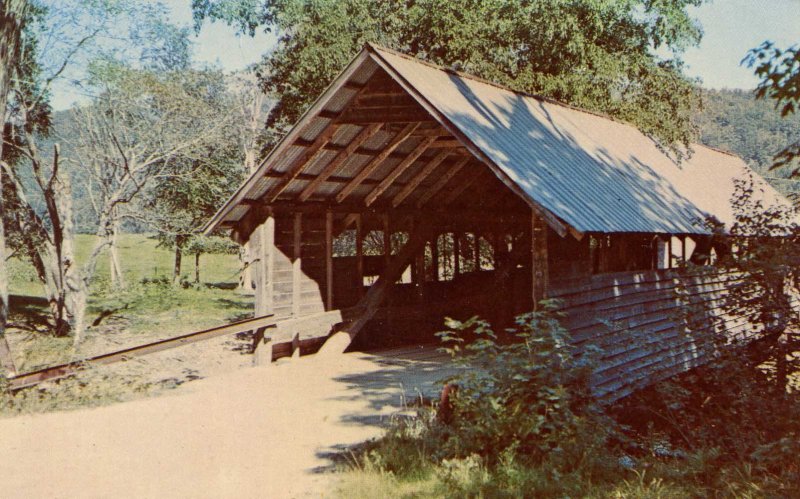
(595, 173)
(589, 171)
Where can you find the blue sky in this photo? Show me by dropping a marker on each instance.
(731, 28)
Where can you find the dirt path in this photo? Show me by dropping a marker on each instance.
(256, 432)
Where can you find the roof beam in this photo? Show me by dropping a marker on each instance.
(366, 133)
(316, 147)
(424, 173)
(355, 116)
(442, 181)
(376, 161)
(460, 188)
(398, 170)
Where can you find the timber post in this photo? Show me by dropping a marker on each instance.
(539, 271)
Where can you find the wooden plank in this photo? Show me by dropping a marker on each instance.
(459, 189)
(297, 270)
(368, 305)
(456, 254)
(308, 156)
(398, 170)
(366, 133)
(442, 181)
(267, 254)
(539, 274)
(355, 116)
(424, 173)
(360, 253)
(370, 167)
(329, 261)
(54, 372)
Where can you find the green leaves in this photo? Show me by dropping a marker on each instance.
(594, 54)
(526, 389)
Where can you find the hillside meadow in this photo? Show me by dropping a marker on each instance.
(147, 308)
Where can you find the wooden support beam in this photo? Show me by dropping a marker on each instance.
(297, 269)
(360, 252)
(387, 239)
(329, 261)
(435, 256)
(477, 249)
(424, 173)
(398, 170)
(366, 133)
(456, 254)
(355, 116)
(308, 156)
(539, 270)
(376, 162)
(442, 181)
(368, 305)
(459, 189)
(447, 144)
(267, 256)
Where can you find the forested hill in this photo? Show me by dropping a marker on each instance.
(734, 121)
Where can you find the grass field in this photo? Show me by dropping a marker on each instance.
(149, 307)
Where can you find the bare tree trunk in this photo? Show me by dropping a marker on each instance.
(12, 17)
(117, 279)
(197, 268)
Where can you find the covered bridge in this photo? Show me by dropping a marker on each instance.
(408, 192)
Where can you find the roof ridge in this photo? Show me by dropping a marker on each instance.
(473, 77)
(379, 48)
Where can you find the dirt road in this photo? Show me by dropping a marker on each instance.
(257, 432)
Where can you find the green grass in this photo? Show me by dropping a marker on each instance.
(149, 307)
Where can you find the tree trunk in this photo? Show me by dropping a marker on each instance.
(197, 268)
(176, 273)
(117, 279)
(246, 276)
(12, 18)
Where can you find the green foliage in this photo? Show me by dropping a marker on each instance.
(735, 121)
(596, 55)
(527, 395)
(779, 71)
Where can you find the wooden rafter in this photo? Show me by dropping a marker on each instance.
(398, 170)
(355, 116)
(424, 173)
(376, 161)
(442, 181)
(459, 189)
(311, 152)
(366, 133)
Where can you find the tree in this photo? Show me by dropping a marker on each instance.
(197, 180)
(597, 55)
(68, 32)
(13, 15)
(779, 71)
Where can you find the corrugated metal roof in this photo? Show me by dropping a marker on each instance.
(597, 174)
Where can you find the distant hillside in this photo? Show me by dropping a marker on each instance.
(732, 120)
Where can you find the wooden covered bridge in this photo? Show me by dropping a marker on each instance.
(408, 192)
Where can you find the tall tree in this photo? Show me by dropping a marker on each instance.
(594, 54)
(13, 14)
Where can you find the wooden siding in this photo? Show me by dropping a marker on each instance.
(638, 320)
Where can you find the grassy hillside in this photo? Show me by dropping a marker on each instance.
(149, 307)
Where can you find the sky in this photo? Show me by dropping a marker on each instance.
(731, 28)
